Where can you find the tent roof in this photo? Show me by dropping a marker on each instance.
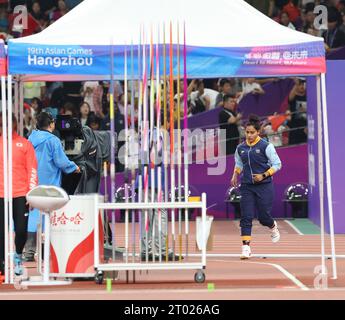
(220, 35)
(217, 23)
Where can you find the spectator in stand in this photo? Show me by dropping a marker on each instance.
(285, 21)
(275, 127)
(34, 90)
(39, 16)
(36, 11)
(229, 120)
(341, 5)
(84, 113)
(119, 126)
(14, 3)
(250, 85)
(265, 6)
(334, 36)
(342, 26)
(309, 18)
(102, 98)
(69, 109)
(28, 120)
(57, 97)
(225, 89)
(209, 92)
(200, 101)
(293, 11)
(119, 120)
(98, 97)
(298, 109)
(72, 3)
(93, 122)
(3, 19)
(88, 93)
(51, 87)
(176, 110)
(48, 6)
(121, 103)
(60, 11)
(36, 106)
(72, 92)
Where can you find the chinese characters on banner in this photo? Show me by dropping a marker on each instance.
(298, 57)
(63, 219)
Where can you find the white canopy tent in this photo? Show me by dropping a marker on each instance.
(229, 39)
(235, 40)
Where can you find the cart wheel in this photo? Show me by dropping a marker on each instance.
(199, 277)
(99, 277)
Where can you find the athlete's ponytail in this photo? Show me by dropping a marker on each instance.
(254, 121)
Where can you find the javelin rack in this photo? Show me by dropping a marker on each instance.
(126, 264)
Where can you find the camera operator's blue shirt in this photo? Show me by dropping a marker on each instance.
(52, 160)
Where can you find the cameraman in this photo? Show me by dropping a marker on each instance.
(52, 160)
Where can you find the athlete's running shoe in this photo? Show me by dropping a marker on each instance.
(275, 234)
(246, 252)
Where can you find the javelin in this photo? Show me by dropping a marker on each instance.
(132, 135)
(179, 141)
(185, 135)
(113, 147)
(158, 105)
(165, 144)
(152, 146)
(172, 164)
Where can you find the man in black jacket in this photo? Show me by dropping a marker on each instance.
(334, 36)
(229, 120)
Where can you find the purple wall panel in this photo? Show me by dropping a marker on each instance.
(336, 114)
(294, 170)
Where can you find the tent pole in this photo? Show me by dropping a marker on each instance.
(5, 157)
(328, 172)
(16, 101)
(10, 178)
(21, 108)
(321, 175)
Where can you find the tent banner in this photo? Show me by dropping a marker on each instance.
(3, 60)
(202, 62)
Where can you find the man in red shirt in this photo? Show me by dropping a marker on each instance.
(24, 173)
(292, 10)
